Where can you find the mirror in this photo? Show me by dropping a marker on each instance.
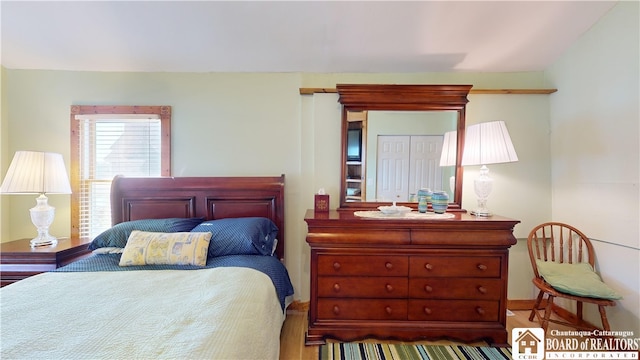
(403, 154)
(413, 118)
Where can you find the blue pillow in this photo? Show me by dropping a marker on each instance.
(117, 235)
(240, 236)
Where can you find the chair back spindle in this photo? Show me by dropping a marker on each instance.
(561, 243)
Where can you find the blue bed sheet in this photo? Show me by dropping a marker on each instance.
(270, 265)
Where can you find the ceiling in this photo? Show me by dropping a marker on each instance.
(293, 36)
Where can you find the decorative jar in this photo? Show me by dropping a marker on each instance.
(439, 202)
(424, 198)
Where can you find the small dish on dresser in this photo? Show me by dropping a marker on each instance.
(394, 210)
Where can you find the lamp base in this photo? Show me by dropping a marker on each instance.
(482, 186)
(42, 216)
(43, 241)
(481, 213)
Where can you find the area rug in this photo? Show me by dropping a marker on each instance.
(369, 351)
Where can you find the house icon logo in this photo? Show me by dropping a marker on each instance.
(527, 343)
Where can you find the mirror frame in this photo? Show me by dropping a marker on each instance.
(366, 97)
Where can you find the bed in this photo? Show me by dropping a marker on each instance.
(224, 298)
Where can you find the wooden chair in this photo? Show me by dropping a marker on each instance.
(562, 243)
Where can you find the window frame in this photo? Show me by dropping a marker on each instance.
(163, 112)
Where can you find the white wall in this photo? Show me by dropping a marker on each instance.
(595, 152)
(521, 189)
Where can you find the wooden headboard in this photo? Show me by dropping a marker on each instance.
(134, 198)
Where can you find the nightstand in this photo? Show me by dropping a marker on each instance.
(18, 260)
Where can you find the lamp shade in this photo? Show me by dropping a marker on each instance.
(34, 172)
(449, 149)
(488, 143)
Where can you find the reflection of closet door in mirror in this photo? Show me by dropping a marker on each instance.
(406, 164)
(393, 168)
(424, 160)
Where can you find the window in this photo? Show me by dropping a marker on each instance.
(107, 141)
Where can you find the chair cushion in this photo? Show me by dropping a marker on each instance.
(576, 279)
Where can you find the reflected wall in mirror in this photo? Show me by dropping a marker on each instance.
(392, 139)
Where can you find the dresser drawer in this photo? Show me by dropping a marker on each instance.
(358, 309)
(364, 287)
(455, 266)
(372, 265)
(455, 288)
(453, 310)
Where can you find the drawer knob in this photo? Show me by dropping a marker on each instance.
(428, 266)
(428, 288)
(388, 265)
(336, 287)
(388, 310)
(427, 310)
(482, 289)
(336, 309)
(389, 288)
(482, 267)
(336, 265)
(480, 310)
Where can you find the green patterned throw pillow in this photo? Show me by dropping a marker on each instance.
(179, 248)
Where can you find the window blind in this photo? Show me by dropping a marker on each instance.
(110, 145)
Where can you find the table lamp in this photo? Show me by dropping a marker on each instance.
(486, 143)
(34, 172)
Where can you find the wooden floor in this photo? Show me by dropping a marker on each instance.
(292, 337)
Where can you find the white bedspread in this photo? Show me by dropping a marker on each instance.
(220, 313)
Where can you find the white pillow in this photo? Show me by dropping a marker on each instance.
(108, 250)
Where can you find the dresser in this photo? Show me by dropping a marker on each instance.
(408, 279)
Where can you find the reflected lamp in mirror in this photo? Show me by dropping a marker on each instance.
(449, 156)
(34, 172)
(486, 143)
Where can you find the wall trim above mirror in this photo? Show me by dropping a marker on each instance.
(359, 100)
